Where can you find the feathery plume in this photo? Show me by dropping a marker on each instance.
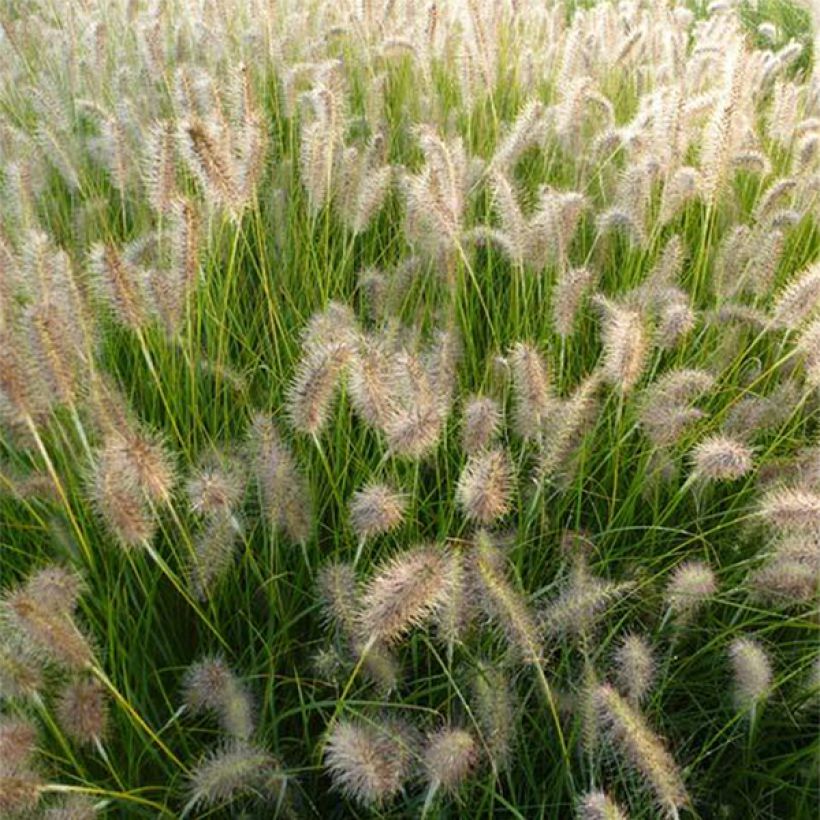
(18, 743)
(625, 342)
(206, 159)
(40, 612)
(213, 554)
(285, 491)
(792, 509)
(485, 486)
(720, 458)
(635, 668)
(339, 590)
(215, 487)
(495, 712)
(237, 769)
(376, 509)
(597, 805)
(568, 295)
(501, 602)
(629, 733)
(798, 300)
(564, 428)
(21, 675)
(211, 686)
(72, 807)
(121, 285)
(480, 423)
(532, 390)
(690, 585)
(752, 672)
(664, 410)
(371, 382)
(415, 418)
(368, 762)
(582, 603)
(331, 328)
(312, 391)
(403, 594)
(159, 167)
(448, 758)
(82, 710)
(786, 581)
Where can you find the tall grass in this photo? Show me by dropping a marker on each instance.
(409, 409)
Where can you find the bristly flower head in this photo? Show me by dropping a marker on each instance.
(482, 418)
(792, 509)
(635, 667)
(312, 392)
(210, 685)
(720, 458)
(597, 805)
(72, 807)
(18, 742)
(495, 710)
(449, 757)
(82, 710)
(215, 487)
(752, 672)
(404, 593)
(235, 770)
(630, 735)
(376, 509)
(532, 390)
(40, 612)
(368, 762)
(626, 344)
(691, 585)
(485, 486)
(286, 492)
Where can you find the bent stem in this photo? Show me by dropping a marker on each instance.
(135, 717)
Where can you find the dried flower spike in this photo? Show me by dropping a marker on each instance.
(367, 762)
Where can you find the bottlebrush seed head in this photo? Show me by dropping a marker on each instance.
(634, 667)
(792, 509)
(216, 487)
(21, 674)
(449, 757)
(47, 629)
(82, 710)
(311, 394)
(532, 390)
(630, 735)
(403, 594)
(504, 604)
(786, 580)
(376, 509)
(625, 343)
(485, 486)
(367, 762)
(18, 742)
(691, 585)
(213, 554)
(752, 671)
(338, 589)
(19, 792)
(237, 769)
(211, 686)
(72, 807)
(495, 711)
(480, 424)
(720, 458)
(285, 490)
(597, 805)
